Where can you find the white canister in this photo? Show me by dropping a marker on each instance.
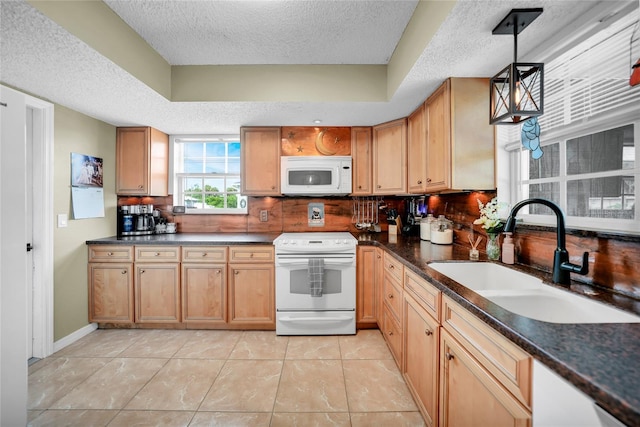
(425, 227)
(442, 231)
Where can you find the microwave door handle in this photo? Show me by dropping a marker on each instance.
(339, 176)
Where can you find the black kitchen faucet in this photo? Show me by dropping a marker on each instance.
(561, 265)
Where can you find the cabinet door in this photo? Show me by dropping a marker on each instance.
(392, 332)
(157, 293)
(361, 154)
(416, 151)
(252, 295)
(204, 293)
(367, 281)
(390, 157)
(142, 162)
(260, 159)
(439, 139)
(110, 293)
(470, 396)
(421, 340)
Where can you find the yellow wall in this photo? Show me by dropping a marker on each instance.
(77, 133)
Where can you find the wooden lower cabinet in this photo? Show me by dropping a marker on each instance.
(421, 334)
(368, 279)
(470, 395)
(392, 332)
(252, 295)
(157, 292)
(204, 293)
(111, 292)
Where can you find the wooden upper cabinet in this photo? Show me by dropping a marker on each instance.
(260, 161)
(416, 151)
(460, 141)
(361, 154)
(390, 158)
(142, 162)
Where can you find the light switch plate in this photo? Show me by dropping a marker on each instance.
(62, 220)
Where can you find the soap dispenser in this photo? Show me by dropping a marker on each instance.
(508, 249)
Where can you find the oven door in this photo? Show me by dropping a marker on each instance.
(293, 290)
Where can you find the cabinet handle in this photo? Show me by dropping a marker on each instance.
(273, 187)
(157, 254)
(428, 332)
(141, 271)
(379, 186)
(390, 296)
(359, 187)
(204, 254)
(124, 271)
(391, 267)
(379, 256)
(140, 187)
(236, 272)
(109, 253)
(390, 333)
(449, 355)
(428, 179)
(218, 271)
(419, 181)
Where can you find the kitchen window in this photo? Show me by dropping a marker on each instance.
(589, 135)
(207, 175)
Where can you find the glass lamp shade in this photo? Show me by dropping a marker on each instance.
(517, 93)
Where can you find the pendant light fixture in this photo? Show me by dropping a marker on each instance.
(517, 91)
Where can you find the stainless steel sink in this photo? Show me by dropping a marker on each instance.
(528, 296)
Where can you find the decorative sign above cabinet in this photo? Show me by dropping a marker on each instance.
(316, 141)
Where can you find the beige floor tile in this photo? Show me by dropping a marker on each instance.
(260, 345)
(40, 364)
(102, 343)
(157, 343)
(311, 386)
(73, 417)
(209, 345)
(180, 385)
(306, 419)
(152, 419)
(366, 344)
(113, 386)
(244, 385)
(33, 414)
(395, 419)
(227, 419)
(313, 348)
(56, 379)
(376, 386)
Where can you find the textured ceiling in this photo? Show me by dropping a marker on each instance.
(269, 32)
(40, 57)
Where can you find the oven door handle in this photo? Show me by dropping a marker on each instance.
(315, 319)
(305, 261)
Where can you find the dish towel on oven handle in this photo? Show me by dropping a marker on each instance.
(316, 276)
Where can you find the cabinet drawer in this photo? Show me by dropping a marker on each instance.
(110, 253)
(393, 295)
(262, 253)
(393, 334)
(509, 364)
(158, 253)
(394, 267)
(209, 254)
(424, 293)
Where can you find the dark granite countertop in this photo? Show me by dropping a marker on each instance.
(190, 239)
(602, 360)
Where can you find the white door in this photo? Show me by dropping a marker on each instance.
(13, 260)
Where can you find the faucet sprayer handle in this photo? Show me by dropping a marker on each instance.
(579, 269)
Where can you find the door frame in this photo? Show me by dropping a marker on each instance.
(43, 219)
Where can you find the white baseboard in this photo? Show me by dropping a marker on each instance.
(74, 336)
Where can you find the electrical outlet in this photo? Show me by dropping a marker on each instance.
(264, 215)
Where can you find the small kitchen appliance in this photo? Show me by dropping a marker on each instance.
(315, 283)
(315, 175)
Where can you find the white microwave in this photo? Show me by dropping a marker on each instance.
(315, 175)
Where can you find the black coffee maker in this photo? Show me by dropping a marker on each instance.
(135, 220)
(411, 226)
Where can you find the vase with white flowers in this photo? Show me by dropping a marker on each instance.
(490, 221)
